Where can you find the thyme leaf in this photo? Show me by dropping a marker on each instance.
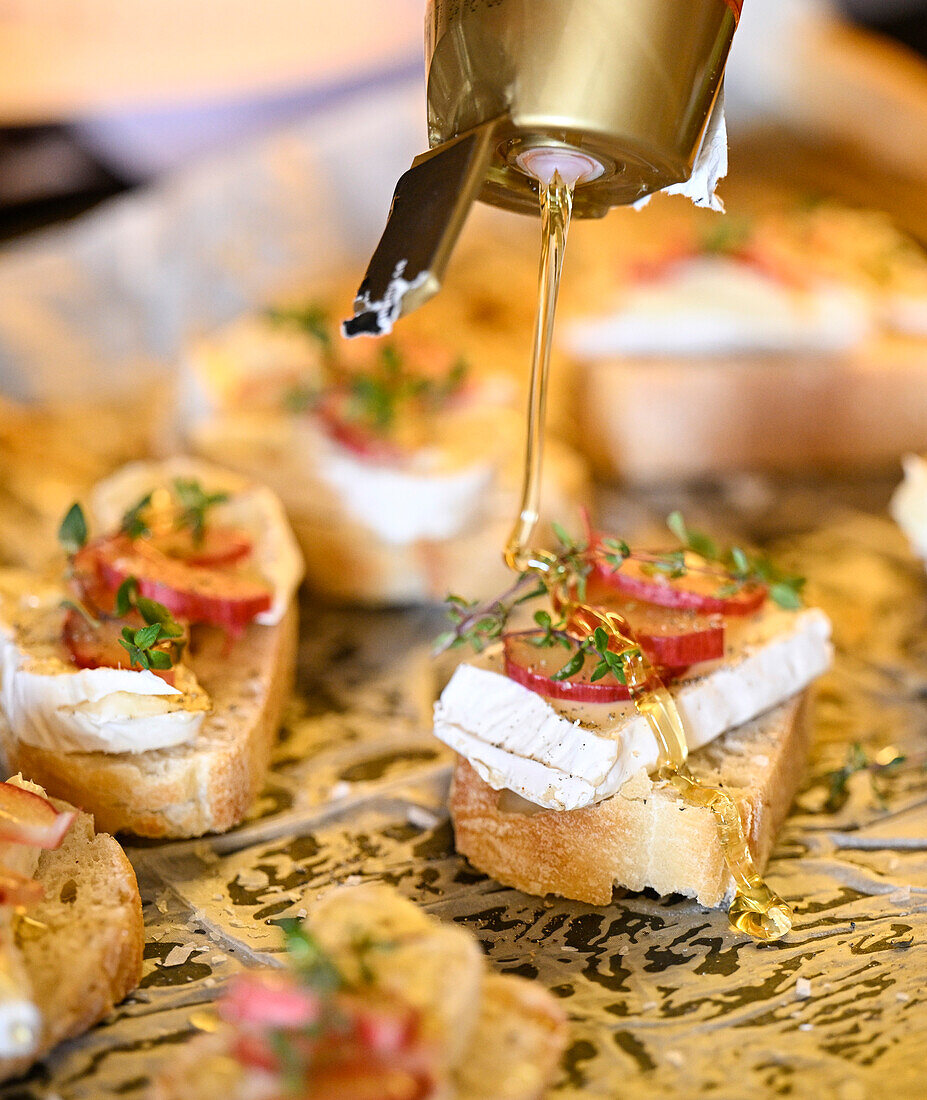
(133, 522)
(743, 569)
(376, 396)
(153, 645)
(311, 319)
(72, 534)
(141, 646)
(195, 502)
(313, 964)
(573, 665)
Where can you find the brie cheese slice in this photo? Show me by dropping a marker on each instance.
(53, 705)
(715, 305)
(909, 504)
(402, 506)
(563, 756)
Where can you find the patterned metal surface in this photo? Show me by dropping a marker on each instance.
(664, 999)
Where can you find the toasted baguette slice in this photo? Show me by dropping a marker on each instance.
(205, 785)
(643, 836)
(520, 1034)
(82, 948)
(494, 1037)
(664, 417)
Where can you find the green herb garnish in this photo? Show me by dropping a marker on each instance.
(72, 534)
(726, 235)
(153, 645)
(743, 569)
(308, 958)
(195, 503)
(858, 760)
(133, 522)
(300, 399)
(376, 396)
(311, 319)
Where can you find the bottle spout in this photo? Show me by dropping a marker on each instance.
(429, 207)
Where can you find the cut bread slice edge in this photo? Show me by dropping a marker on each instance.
(205, 785)
(521, 1033)
(643, 836)
(82, 945)
(660, 418)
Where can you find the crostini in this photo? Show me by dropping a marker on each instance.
(398, 462)
(71, 934)
(704, 344)
(145, 681)
(560, 786)
(378, 1000)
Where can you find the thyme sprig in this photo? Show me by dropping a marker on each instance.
(857, 761)
(154, 645)
(194, 505)
(311, 319)
(133, 521)
(375, 396)
(477, 624)
(72, 533)
(308, 958)
(610, 660)
(739, 568)
(743, 568)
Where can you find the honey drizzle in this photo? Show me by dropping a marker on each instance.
(755, 910)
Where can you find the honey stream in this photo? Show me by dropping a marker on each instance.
(755, 909)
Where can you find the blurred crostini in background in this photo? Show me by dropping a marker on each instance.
(399, 461)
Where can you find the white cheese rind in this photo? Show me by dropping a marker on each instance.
(909, 504)
(716, 305)
(52, 705)
(254, 508)
(402, 506)
(564, 756)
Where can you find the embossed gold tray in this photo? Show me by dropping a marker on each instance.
(664, 999)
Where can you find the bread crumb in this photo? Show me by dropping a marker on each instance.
(251, 878)
(178, 955)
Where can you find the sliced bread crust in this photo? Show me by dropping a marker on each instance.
(659, 418)
(205, 785)
(520, 1036)
(82, 947)
(643, 836)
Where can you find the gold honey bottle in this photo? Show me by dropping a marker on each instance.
(616, 92)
